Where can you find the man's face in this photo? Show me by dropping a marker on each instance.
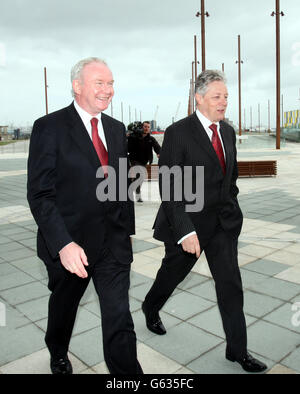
(94, 90)
(146, 128)
(214, 103)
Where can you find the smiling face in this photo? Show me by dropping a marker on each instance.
(214, 103)
(94, 90)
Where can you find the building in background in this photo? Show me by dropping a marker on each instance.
(3, 133)
(291, 128)
(292, 119)
(153, 125)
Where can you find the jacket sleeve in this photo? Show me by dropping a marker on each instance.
(156, 146)
(41, 191)
(129, 203)
(234, 190)
(172, 158)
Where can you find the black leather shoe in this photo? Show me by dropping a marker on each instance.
(61, 366)
(154, 323)
(249, 363)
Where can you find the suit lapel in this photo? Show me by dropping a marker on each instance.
(227, 146)
(109, 136)
(203, 140)
(80, 135)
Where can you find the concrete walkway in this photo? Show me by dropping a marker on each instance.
(269, 256)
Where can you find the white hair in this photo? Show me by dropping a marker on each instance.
(76, 71)
(207, 77)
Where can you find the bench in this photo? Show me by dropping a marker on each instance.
(246, 169)
(257, 168)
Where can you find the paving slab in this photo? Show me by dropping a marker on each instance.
(269, 257)
(286, 316)
(184, 343)
(87, 347)
(258, 305)
(22, 342)
(266, 339)
(214, 362)
(266, 267)
(185, 305)
(277, 288)
(292, 361)
(38, 363)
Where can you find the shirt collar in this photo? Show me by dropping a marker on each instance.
(85, 116)
(205, 122)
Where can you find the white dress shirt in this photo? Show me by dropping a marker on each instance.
(86, 119)
(205, 123)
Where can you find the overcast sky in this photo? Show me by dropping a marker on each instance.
(149, 48)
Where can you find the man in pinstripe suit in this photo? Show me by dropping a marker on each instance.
(203, 140)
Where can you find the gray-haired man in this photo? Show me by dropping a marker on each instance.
(79, 237)
(205, 140)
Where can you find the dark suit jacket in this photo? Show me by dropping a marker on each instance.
(140, 149)
(62, 184)
(186, 143)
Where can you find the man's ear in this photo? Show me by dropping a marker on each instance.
(76, 86)
(198, 98)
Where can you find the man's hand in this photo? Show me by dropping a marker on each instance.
(74, 259)
(191, 245)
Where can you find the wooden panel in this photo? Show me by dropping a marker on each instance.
(246, 169)
(257, 168)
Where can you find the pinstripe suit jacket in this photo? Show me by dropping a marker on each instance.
(186, 143)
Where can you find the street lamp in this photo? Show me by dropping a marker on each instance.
(203, 14)
(239, 61)
(193, 85)
(277, 14)
(46, 87)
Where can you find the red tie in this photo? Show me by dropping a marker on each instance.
(218, 146)
(98, 144)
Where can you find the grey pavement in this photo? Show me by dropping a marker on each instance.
(269, 258)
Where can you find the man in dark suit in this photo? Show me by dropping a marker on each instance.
(203, 140)
(140, 151)
(79, 236)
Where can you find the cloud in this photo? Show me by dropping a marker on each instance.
(149, 47)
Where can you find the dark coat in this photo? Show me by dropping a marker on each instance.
(62, 186)
(140, 149)
(186, 143)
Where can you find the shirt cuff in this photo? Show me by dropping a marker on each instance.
(186, 236)
(65, 246)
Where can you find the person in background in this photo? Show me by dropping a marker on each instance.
(141, 145)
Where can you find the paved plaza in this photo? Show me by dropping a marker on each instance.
(269, 257)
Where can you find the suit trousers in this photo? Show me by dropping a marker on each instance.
(138, 176)
(221, 255)
(111, 281)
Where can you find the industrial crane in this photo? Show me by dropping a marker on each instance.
(155, 114)
(176, 113)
